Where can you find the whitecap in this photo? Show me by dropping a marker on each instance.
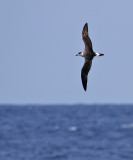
(127, 125)
(73, 128)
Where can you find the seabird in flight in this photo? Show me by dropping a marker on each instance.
(88, 54)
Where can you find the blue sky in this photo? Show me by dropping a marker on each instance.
(38, 43)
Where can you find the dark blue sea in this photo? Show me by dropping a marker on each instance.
(66, 132)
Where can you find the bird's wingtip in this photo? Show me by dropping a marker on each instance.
(86, 24)
(85, 89)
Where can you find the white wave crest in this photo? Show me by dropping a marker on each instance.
(73, 128)
(127, 125)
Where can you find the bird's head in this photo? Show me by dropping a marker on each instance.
(79, 54)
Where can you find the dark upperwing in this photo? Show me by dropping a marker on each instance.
(86, 39)
(84, 73)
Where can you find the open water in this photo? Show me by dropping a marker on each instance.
(66, 132)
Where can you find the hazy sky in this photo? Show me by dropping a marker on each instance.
(38, 43)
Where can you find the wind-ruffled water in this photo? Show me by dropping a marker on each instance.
(66, 132)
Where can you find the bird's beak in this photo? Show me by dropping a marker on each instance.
(101, 54)
(76, 54)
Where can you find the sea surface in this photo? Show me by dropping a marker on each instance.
(66, 132)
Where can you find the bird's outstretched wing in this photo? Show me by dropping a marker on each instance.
(86, 39)
(84, 73)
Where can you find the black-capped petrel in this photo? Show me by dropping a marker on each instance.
(88, 54)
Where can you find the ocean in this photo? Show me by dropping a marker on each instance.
(66, 132)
